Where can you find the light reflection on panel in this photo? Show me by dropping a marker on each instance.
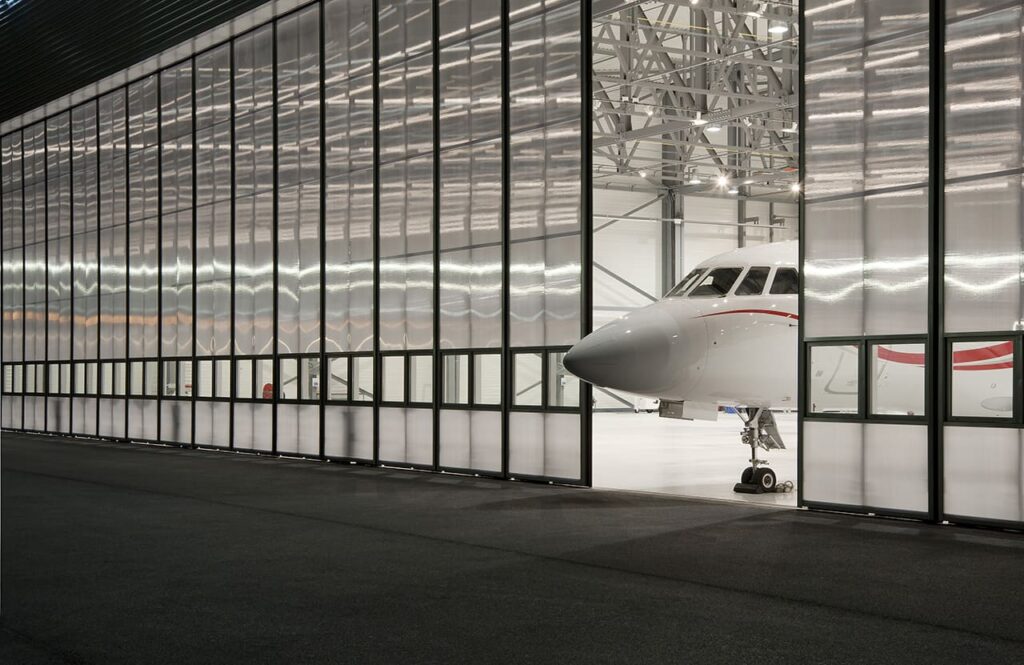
(406, 263)
(460, 18)
(896, 263)
(176, 285)
(983, 246)
(405, 28)
(470, 90)
(348, 264)
(833, 26)
(835, 131)
(213, 424)
(143, 289)
(834, 268)
(544, 69)
(298, 269)
(348, 432)
(348, 45)
(407, 109)
(254, 274)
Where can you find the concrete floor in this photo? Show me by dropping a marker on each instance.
(643, 452)
(133, 554)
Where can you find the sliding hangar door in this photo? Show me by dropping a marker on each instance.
(912, 249)
(351, 231)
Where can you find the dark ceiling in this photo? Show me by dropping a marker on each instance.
(53, 47)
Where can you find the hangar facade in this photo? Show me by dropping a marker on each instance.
(364, 230)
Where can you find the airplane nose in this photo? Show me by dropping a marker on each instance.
(651, 351)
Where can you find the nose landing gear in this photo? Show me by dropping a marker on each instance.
(759, 431)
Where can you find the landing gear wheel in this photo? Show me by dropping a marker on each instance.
(747, 476)
(765, 478)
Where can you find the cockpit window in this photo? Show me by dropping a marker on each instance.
(717, 283)
(753, 284)
(684, 285)
(785, 283)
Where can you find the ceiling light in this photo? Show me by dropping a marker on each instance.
(643, 174)
(748, 182)
(699, 120)
(693, 2)
(779, 29)
(790, 130)
(795, 188)
(714, 128)
(650, 112)
(696, 181)
(723, 181)
(734, 191)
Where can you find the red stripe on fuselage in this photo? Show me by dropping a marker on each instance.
(772, 312)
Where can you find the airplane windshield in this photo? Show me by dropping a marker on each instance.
(786, 282)
(717, 283)
(685, 285)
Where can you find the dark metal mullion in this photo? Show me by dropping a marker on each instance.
(275, 370)
(436, 232)
(587, 236)
(935, 361)
(324, 372)
(232, 350)
(24, 265)
(46, 274)
(194, 249)
(801, 215)
(98, 373)
(73, 366)
(506, 173)
(127, 264)
(159, 252)
(377, 364)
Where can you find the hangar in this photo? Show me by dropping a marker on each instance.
(371, 231)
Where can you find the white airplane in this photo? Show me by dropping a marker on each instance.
(727, 336)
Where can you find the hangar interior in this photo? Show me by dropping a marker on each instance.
(369, 231)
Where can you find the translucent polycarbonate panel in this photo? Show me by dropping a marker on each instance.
(897, 112)
(962, 8)
(13, 305)
(406, 248)
(349, 125)
(222, 378)
(470, 90)
(487, 379)
(835, 131)
(176, 285)
(981, 382)
(460, 18)
(143, 184)
(298, 269)
(213, 86)
(545, 291)
(176, 173)
(833, 379)
(897, 379)
(896, 263)
(983, 246)
(213, 424)
(528, 379)
(982, 471)
(421, 379)
(834, 255)
(298, 97)
(33, 210)
(58, 415)
(253, 426)
(348, 432)
(113, 292)
(471, 440)
(348, 264)
(895, 467)
(832, 26)
(213, 318)
(213, 164)
(143, 419)
(833, 462)
(254, 274)
(471, 255)
(406, 436)
(83, 416)
(545, 444)
(111, 422)
(176, 421)
(143, 113)
(254, 152)
(298, 429)
(143, 288)
(8, 412)
(254, 70)
(348, 41)
(545, 69)
(406, 109)
(85, 328)
(404, 28)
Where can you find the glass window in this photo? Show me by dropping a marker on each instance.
(785, 283)
(753, 283)
(18, 370)
(185, 380)
(362, 379)
(119, 378)
(222, 378)
(204, 378)
(487, 378)
(137, 378)
(687, 282)
(981, 383)
(310, 369)
(30, 378)
(834, 380)
(289, 378)
(107, 379)
(79, 379)
(152, 378)
(421, 379)
(264, 378)
(393, 378)
(243, 379)
(65, 378)
(8, 378)
(563, 387)
(53, 386)
(41, 378)
(897, 379)
(338, 380)
(456, 379)
(528, 379)
(91, 380)
(170, 378)
(717, 283)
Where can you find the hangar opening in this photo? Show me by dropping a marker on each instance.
(695, 221)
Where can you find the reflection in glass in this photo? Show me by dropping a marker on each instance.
(563, 387)
(393, 378)
(528, 379)
(264, 378)
(222, 382)
(362, 379)
(421, 379)
(834, 379)
(204, 378)
(981, 381)
(243, 378)
(897, 379)
(289, 378)
(310, 370)
(456, 379)
(487, 378)
(338, 385)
